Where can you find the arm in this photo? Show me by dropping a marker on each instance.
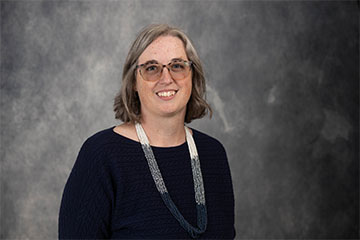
(87, 200)
(229, 178)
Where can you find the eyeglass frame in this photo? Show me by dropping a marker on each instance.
(190, 63)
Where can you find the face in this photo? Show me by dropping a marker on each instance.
(165, 97)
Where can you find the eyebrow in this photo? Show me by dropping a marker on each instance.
(155, 61)
(147, 62)
(178, 59)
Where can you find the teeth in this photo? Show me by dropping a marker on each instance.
(166, 94)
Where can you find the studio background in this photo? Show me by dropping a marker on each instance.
(283, 81)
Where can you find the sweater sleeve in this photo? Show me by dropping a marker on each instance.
(231, 197)
(88, 198)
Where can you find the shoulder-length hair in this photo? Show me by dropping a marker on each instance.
(127, 103)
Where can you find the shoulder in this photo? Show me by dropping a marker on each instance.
(99, 144)
(207, 142)
(99, 139)
(105, 142)
(213, 157)
(127, 130)
(92, 157)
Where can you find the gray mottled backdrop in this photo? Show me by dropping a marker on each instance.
(283, 80)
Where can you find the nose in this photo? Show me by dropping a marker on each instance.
(165, 76)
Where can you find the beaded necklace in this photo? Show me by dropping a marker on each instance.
(194, 232)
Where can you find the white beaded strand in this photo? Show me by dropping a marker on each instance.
(160, 185)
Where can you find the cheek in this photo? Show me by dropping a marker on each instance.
(189, 86)
(144, 89)
(188, 90)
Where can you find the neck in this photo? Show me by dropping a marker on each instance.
(164, 132)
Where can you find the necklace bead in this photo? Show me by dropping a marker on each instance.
(194, 232)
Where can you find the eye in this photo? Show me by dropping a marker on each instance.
(177, 67)
(151, 68)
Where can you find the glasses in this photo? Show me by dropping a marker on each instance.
(152, 70)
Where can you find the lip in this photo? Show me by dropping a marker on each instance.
(166, 98)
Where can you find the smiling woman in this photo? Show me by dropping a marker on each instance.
(152, 176)
(166, 96)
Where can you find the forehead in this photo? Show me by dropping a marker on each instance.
(163, 49)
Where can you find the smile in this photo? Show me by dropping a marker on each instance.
(166, 93)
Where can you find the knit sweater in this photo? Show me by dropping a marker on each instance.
(110, 192)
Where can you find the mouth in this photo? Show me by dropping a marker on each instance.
(166, 94)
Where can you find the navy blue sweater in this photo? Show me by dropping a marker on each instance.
(110, 192)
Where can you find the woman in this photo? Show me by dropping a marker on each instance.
(152, 177)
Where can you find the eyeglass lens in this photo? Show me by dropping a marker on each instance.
(177, 69)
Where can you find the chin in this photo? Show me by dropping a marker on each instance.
(172, 111)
